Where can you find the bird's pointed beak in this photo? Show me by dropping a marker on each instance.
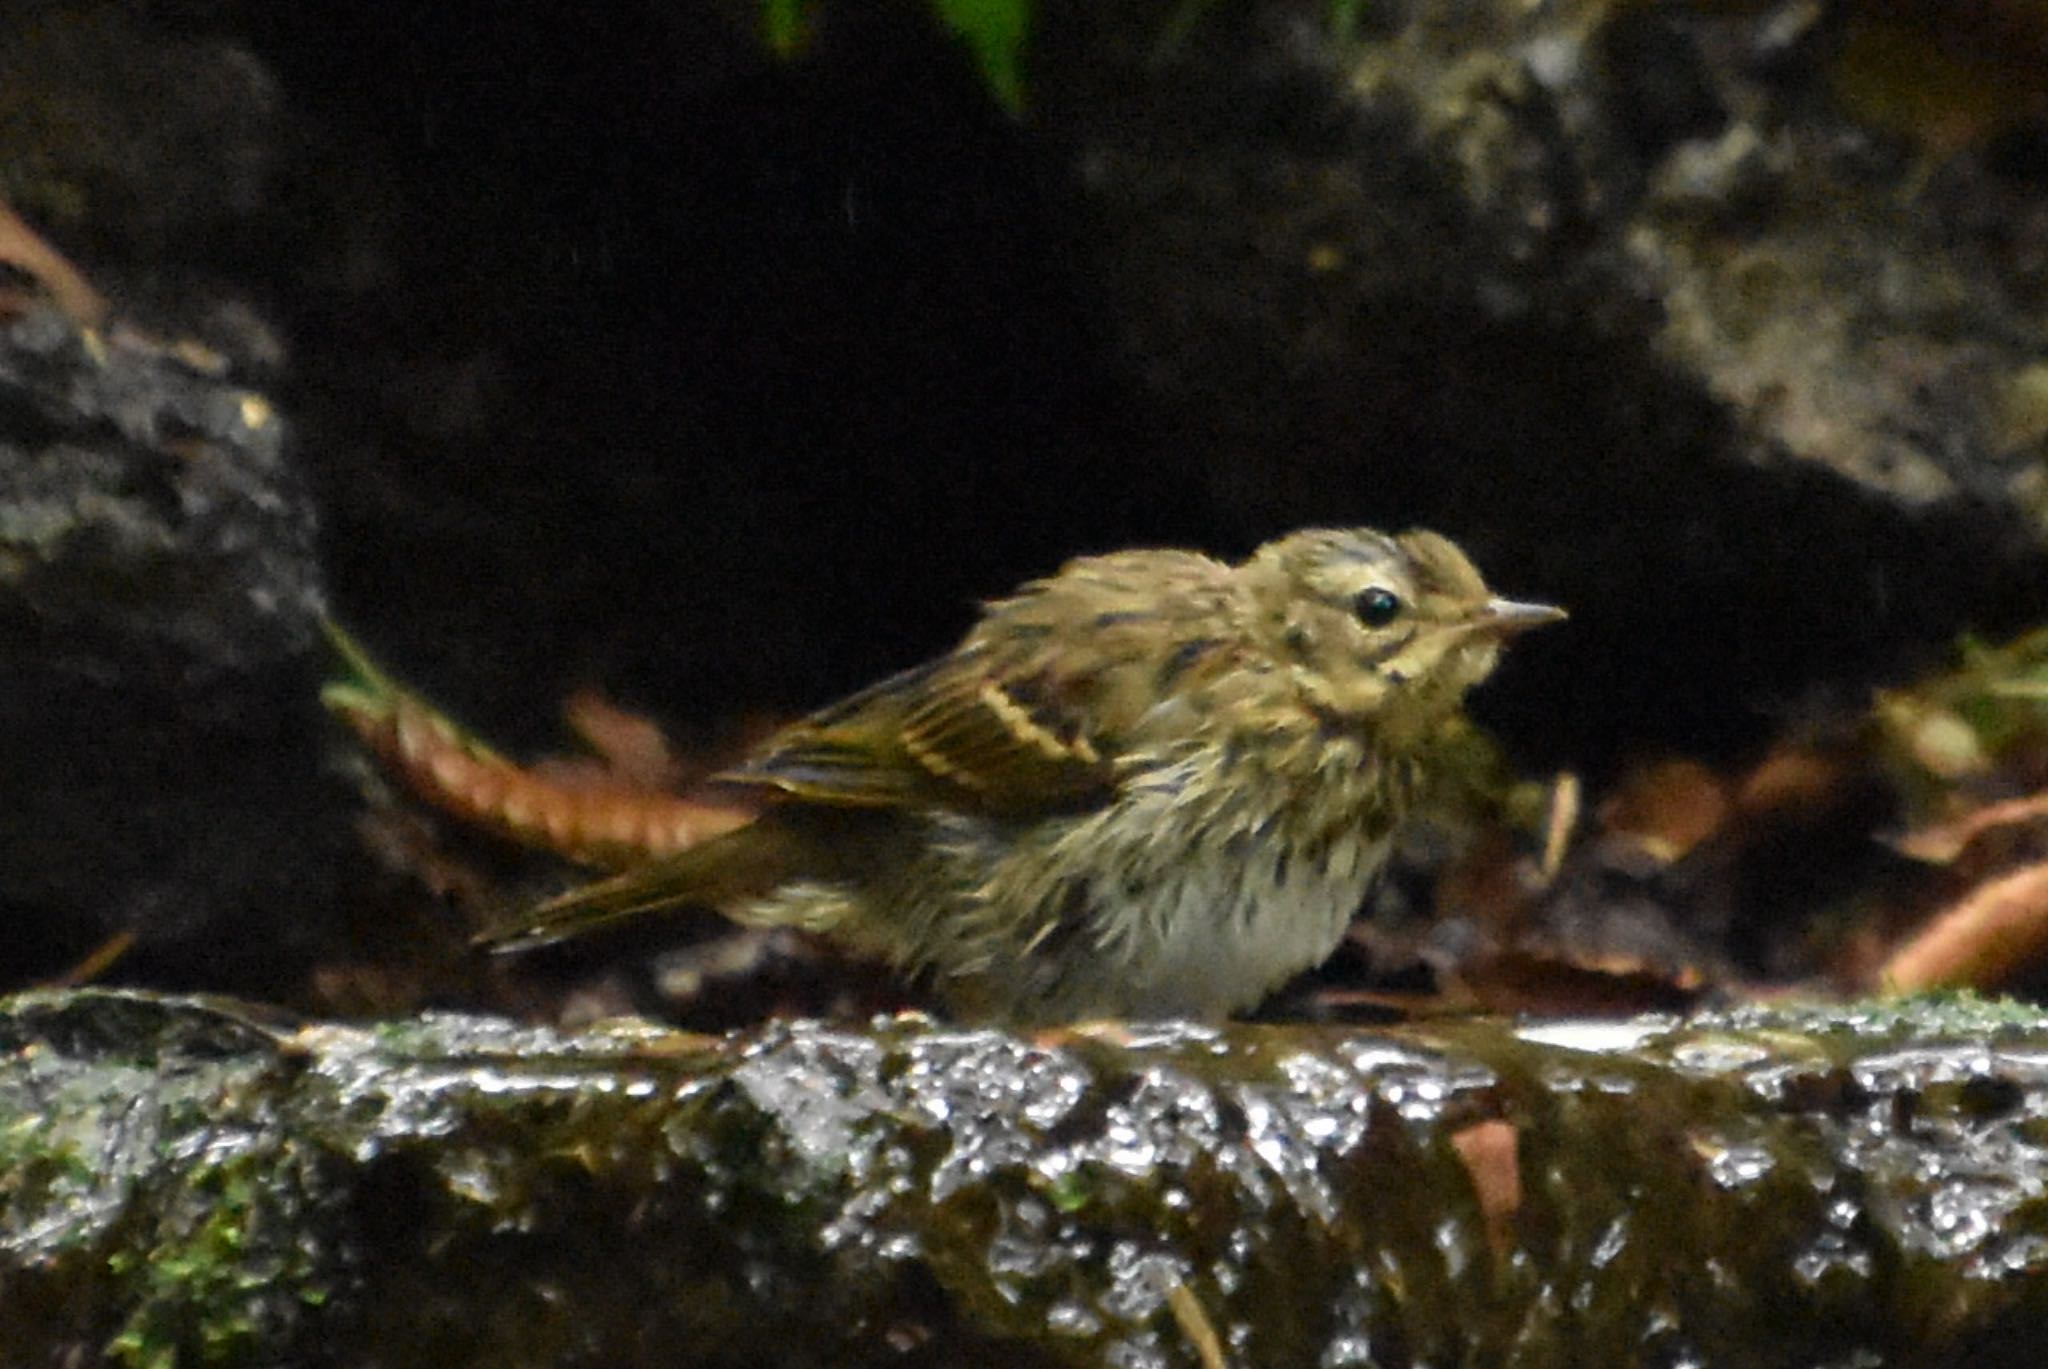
(1508, 617)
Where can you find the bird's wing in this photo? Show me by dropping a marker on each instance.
(959, 732)
(1029, 715)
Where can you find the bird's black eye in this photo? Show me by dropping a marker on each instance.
(1377, 607)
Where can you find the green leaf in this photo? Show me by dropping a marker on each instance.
(786, 26)
(996, 30)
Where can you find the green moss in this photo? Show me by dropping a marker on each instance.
(222, 1274)
(1942, 1015)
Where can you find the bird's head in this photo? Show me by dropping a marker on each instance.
(1385, 632)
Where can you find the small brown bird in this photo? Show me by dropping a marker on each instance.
(1152, 785)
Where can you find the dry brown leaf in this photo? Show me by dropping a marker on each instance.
(96, 963)
(583, 812)
(1942, 842)
(1790, 776)
(23, 248)
(607, 825)
(1530, 980)
(632, 745)
(1488, 882)
(1983, 940)
(1668, 808)
(1567, 796)
(1196, 1326)
(1490, 1152)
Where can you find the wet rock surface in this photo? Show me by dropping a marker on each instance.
(1860, 1184)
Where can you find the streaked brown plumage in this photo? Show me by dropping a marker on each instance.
(1151, 785)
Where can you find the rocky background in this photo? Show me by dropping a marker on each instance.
(723, 372)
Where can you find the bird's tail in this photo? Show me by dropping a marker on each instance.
(713, 874)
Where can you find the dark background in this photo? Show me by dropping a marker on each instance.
(614, 349)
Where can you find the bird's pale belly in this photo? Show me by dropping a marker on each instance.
(1219, 931)
(1185, 900)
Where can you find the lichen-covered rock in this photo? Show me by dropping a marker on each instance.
(159, 661)
(137, 132)
(185, 1181)
(1639, 297)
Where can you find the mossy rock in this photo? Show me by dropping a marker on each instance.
(187, 1181)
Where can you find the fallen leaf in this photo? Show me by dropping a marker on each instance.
(1668, 808)
(1983, 940)
(1942, 842)
(1490, 1152)
(24, 249)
